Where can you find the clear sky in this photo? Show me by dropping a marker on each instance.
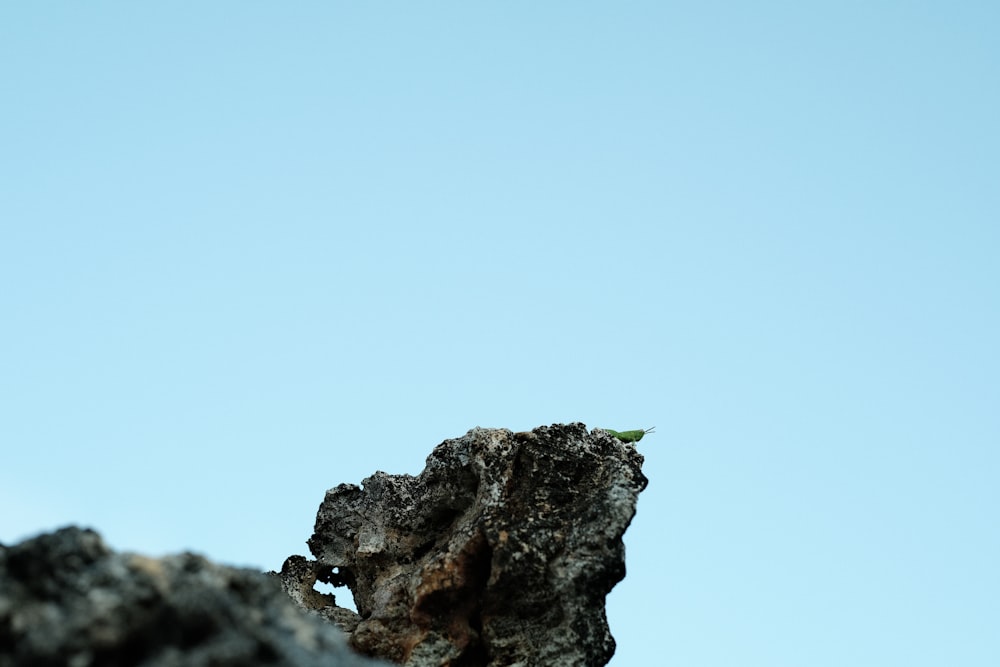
(251, 250)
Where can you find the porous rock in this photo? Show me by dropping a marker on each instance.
(67, 599)
(501, 552)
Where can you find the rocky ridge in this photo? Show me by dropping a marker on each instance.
(66, 599)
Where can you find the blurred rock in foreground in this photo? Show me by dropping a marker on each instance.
(66, 599)
(500, 552)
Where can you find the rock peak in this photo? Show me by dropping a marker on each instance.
(500, 552)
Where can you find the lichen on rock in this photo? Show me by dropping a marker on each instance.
(501, 552)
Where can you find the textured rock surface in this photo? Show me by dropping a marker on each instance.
(66, 599)
(500, 552)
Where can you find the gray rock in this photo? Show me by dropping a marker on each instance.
(500, 552)
(67, 599)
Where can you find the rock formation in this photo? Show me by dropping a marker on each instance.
(500, 552)
(66, 599)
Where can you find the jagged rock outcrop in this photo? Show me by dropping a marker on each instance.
(67, 599)
(500, 552)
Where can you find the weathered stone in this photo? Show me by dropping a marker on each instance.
(67, 599)
(500, 552)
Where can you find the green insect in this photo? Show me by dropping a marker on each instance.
(629, 436)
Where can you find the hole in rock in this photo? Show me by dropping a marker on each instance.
(343, 594)
(333, 581)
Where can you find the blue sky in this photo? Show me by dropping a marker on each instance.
(252, 250)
